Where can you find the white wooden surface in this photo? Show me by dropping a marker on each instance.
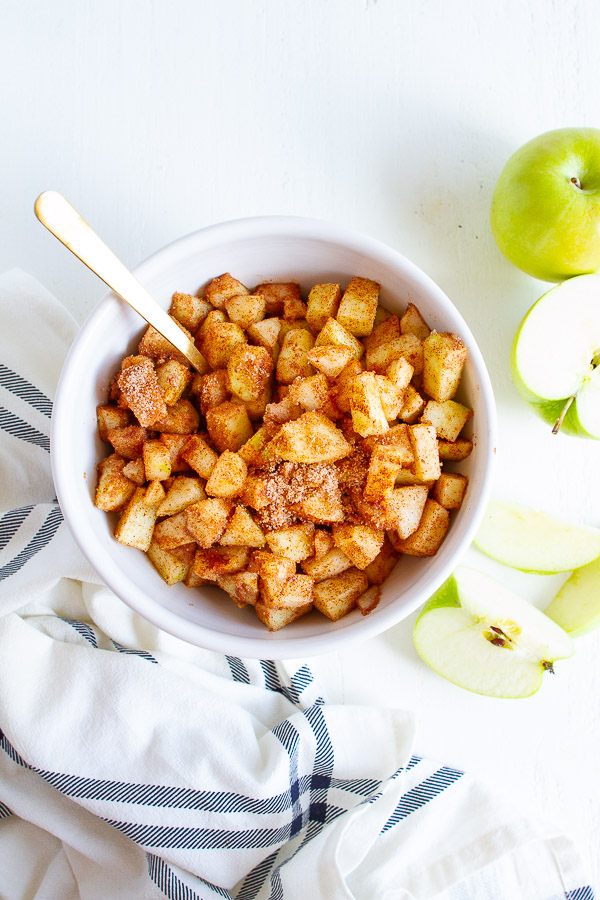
(395, 117)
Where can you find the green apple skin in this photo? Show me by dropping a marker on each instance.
(542, 221)
(576, 607)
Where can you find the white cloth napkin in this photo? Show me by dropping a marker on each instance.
(133, 765)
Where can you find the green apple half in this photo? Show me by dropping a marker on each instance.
(533, 541)
(576, 607)
(545, 211)
(555, 356)
(484, 638)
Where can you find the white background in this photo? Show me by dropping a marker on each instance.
(392, 116)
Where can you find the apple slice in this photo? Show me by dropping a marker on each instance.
(576, 607)
(555, 355)
(484, 638)
(534, 541)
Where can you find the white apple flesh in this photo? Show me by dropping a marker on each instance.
(576, 607)
(555, 354)
(482, 637)
(533, 541)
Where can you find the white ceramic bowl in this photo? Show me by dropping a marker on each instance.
(276, 248)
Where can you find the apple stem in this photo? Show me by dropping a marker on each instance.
(561, 418)
(548, 667)
(576, 182)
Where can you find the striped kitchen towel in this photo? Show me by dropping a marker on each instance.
(133, 765)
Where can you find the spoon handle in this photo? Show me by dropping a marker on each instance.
(65, 223)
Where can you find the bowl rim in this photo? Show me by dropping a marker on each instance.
(98, 556)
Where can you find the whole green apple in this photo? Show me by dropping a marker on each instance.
(545, 212)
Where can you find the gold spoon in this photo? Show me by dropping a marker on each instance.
(65, 223)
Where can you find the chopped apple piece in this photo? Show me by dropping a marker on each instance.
(197, 453)
(255, 493)
(265, 333)
(157, 461)
(213, 390)
(189, 311)
(228, 476)
(310, 393)
(342, 391)
(292, 362)
(330, 359)
(368, 416)
(207, 520)
(334, 333)
(218, 344)
(182, 493)
(155, 494)
(273, 572)
(172, 568)
(246, 309)
(412, 322)
(392, 399)
(323, 542)
(369, 600)
(322, 507)
(155, 346)
(400, 373)
(295, 593)
(172, 532)
(358, 306)
(449, 490)
(312, 438)
(128, 441)
(332, 563)
(181, 418)
(242, 530)
(138, 384)
(360, 543)
(222, 288)
(428, 537)
(136, 524)
(276, 293)
(175, 444)
(413, 407)
(134, 470)
(378, 570)
(253, 451)
(114, 489)
(425, 449)
(454, 451)
(444, 358)
(109, 417)
(248, 371)
(336, 597)
(295, 542)
(323, 302)
(229, 426)
(275, 619)
(211, 562)
(448, 417)
(385, 463)
(404, 508)
(173, 378)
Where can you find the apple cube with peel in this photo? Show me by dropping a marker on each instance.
(323, 303)
(242, 530)
(312, 438)
(189, 311)
(378, 570)
(222, 288)
(136, 524)
(157, 461)
(412, 322)
(182, 493)
(207, 520)
(109, 417)
(173, 378)
(368, 416)
(171, 567)
(248, 371)
(425, 448)
(229, 426)
(334, 333)
(245, 309)
(427, 539)
(292, 361)
(332, 563)
(444, 357)
(296, 542)
(358, 306)
(114, 489)
(369, 600)
(454, 451)
(360, 543)
(275, 619)
(330, 359)
(253, 451)
(336, 597)
(449, 490)
(228, 476)
(448, 417)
